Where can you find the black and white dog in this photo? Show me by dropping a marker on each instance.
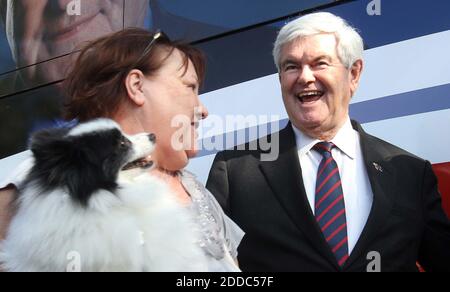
(89, 204)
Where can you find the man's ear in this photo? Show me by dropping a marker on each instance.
(355, 75)
(134, 83)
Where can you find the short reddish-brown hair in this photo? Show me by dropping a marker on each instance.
(95, 85)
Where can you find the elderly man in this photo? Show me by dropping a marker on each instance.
(336, 199)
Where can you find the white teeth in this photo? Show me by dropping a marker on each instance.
(309, 93)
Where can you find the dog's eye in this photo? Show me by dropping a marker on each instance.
(123, 143)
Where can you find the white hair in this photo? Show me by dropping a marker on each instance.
(349, 43)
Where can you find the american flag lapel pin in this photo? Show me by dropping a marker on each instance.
(377, 167)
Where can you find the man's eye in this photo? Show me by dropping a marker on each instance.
(322, 64)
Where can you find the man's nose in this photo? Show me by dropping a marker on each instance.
(306, 75)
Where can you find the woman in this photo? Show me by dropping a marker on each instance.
(146, 83)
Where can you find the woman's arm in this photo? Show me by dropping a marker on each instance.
(7, 195)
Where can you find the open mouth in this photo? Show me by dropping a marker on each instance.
(310, 96)
(144, 163)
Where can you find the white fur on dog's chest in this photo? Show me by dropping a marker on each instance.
(141, 228)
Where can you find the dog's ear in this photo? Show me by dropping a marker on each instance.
(50, 144)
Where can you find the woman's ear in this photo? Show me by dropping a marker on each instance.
(134, 83)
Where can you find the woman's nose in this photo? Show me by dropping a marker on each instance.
(203, 112)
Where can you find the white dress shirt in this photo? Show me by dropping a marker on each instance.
(358, 196)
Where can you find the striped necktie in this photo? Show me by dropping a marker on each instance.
(330, 205)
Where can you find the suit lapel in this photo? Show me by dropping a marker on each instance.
(284, 176)
(382, 179)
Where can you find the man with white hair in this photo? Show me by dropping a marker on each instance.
(337, 198)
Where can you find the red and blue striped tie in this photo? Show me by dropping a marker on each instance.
(330, 205)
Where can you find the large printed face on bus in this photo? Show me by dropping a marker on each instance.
(40, 30)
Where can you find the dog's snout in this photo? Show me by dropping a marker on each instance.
(152, 138)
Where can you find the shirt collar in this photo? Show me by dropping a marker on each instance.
(345, 140)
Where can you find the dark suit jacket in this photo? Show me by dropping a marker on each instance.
(268, 201)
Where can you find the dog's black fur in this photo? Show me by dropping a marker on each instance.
(80, 164)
